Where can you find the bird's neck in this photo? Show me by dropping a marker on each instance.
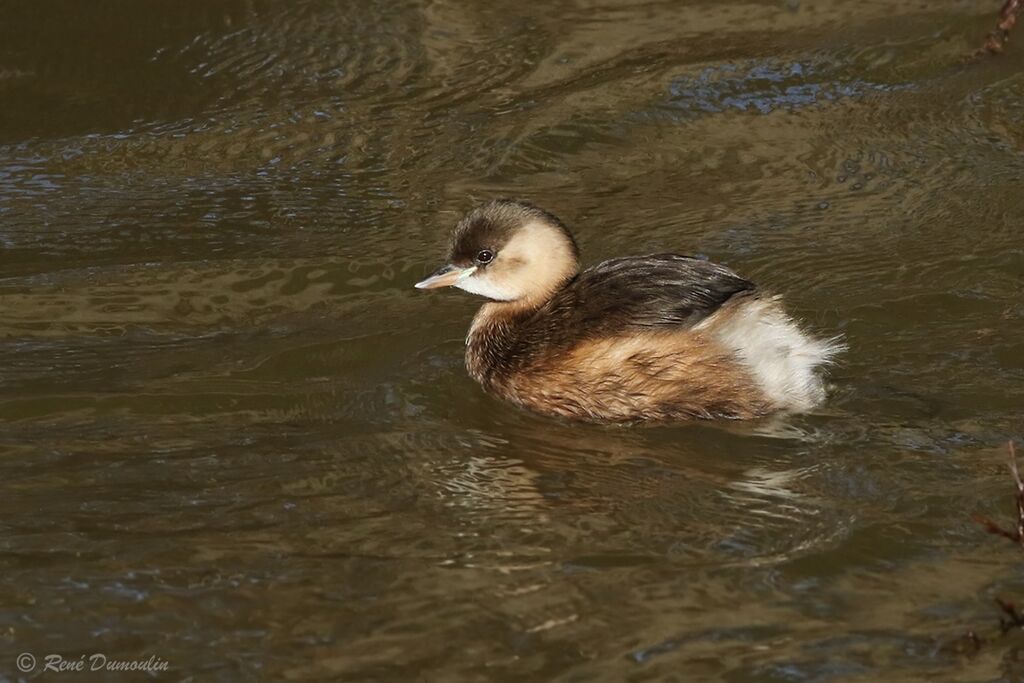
(493, 345)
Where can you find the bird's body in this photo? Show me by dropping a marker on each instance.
(644, 338)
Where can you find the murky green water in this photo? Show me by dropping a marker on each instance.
(234, 437)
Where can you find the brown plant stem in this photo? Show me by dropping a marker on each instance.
(997, 39)
(1015, 535)
(1011, 618)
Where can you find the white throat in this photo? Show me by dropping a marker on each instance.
(482, 285)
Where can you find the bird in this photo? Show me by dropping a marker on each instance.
(636, 339)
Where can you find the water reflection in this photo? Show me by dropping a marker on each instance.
(765, 87)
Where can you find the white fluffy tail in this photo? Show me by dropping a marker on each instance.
(786, 362)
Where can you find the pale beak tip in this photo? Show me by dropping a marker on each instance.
(445, 276)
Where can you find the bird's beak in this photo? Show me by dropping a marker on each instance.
(445, 276)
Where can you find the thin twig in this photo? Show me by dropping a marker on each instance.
(1011, 618)
(1016, 535)
(994, 528)
(1020, 493)
(1000, 35)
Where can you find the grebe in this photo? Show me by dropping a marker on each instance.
(640, 338)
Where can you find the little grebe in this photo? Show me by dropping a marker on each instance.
(639, 338)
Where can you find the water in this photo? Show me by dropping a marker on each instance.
(236, 438)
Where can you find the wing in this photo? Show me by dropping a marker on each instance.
(637, 292)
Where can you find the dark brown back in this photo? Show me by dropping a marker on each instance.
(660, 291)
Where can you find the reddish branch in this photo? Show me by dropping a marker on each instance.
(1015, 535)
(997, 39)
(1011, 618)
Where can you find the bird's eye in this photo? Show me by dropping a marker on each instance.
(485, 256)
